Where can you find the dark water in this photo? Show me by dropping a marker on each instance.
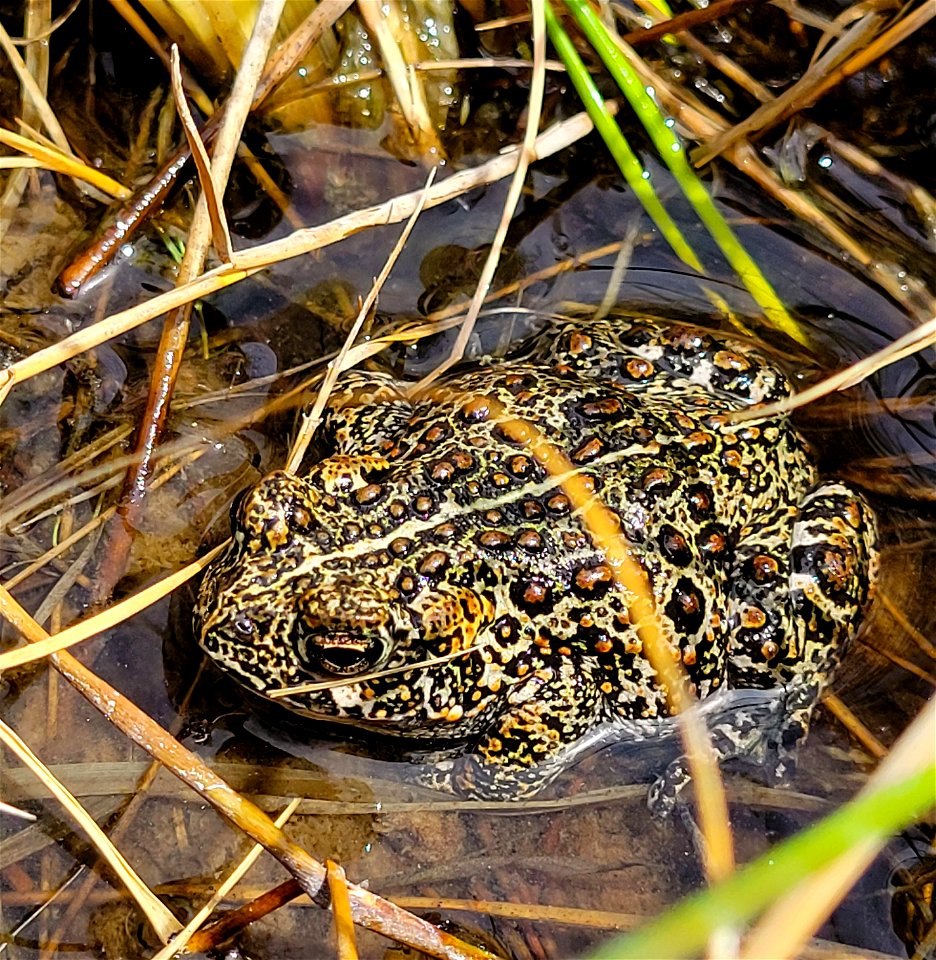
(590, 845)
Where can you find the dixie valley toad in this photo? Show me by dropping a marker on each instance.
(433, 557)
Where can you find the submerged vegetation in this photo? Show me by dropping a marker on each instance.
(250, 160)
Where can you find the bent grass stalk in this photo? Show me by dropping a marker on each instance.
(673, 155)
(627, 161)
(887, 805)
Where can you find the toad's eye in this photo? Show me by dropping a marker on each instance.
(337, 653)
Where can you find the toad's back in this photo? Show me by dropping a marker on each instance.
(437, 571)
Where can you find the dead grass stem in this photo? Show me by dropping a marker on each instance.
(45, 113)
(313, 418)
(381, 16)
(180, 940)
(919, 338)
(115, 614)
(853, 725)
(162, 921)
(527, 155)
(368, 909)
(346, 947)
(52, 158)
(299, 242)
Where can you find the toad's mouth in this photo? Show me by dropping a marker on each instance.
(339, 653)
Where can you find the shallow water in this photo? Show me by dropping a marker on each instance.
(590, 843)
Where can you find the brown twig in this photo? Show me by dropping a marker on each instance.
(235, 920)
(368, 910)
(125, 222)
(686, 21)
(168, 360)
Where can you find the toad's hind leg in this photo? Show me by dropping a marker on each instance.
(800, 584)
(834, 565)
(648, 356)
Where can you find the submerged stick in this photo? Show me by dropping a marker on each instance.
(368, 910)
(171, 349)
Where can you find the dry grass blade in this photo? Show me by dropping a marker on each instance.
(555, 138)
(368, 909)
(791, 921)
(473, 63)
(108, 618)
(314, 686)
(247, 262)
(406, 87)
(604, 526)
(163, 922)
(163, 476)
(49, 30)
(527, 154)
(902, 662)
(854, 726)
(874, 51)
(12, 811)
(233, 878)
(912, 342)
(618, 271)
(795, 97)
(123, 223)
(341, 912)
(39, 102)
(311, 420)
(219, 229)
(563, 266)
(549, 913)
(54, 159)
(900, 618)
(287, 54)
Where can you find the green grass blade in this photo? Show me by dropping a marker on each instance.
(673, 155)
(620, 149)
(684, 930)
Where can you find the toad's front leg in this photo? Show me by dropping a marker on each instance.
(546, 725)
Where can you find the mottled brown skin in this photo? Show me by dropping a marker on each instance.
(429, 532)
